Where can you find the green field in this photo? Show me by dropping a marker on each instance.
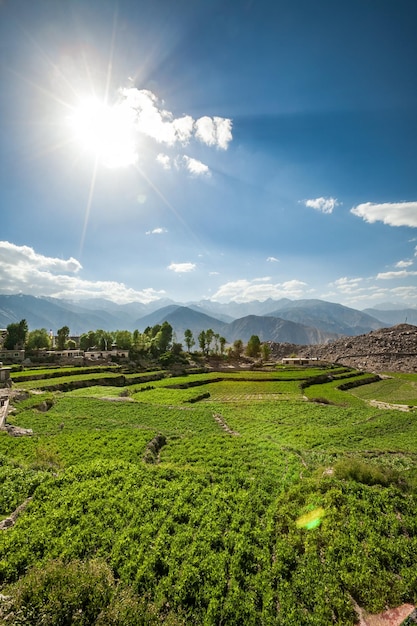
(208, 499)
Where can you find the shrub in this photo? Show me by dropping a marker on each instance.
(365, 473)
(61, 594)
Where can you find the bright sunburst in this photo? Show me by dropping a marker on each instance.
(106, 131)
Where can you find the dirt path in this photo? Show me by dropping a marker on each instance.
(386, 405)
(392, 617)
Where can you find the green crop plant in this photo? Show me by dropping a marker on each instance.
(216, 529)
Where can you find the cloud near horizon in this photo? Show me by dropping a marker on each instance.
(257, 289)
(22, 270)
(390, 213)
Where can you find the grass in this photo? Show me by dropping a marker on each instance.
(398, 389)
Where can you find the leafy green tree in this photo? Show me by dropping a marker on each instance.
(189, 339)
(162, 337)
(209, 339)
(202, 341)
(38, 339)
(16, 335)
(123, 339)
(62, 337)
(88, 340)
(253, 348)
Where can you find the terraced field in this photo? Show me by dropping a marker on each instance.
(214, 498)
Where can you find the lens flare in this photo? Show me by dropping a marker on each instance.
(311, 520)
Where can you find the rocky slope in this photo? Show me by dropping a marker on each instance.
(391, 349)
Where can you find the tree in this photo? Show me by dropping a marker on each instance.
(123, 339)
(253, 348)
(209, 339)
(222, 342)
(266, 351)
(88, 340)
(103, 339)
(202, 342)
(38, 339)
(237, 348)
(189, 339)
(16, 335)
(161, 338)
(62, 337)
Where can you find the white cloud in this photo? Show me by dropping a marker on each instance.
(181, 268)
(156, 231)
(272, 259)
(390, 213)
(151, 119)
(347, 285)
(183, 128)
(324, 205)
(391, 275)
(24, 258)
(195, 167)
(402, 264)
(164, 160)
(214, 131)
(245, 290)
(22, 270)
(368, 291)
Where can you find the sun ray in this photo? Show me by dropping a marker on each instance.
(170, 206)
(88, 206)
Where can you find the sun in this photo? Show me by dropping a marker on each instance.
(108, 132)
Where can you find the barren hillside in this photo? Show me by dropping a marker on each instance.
(384, 350)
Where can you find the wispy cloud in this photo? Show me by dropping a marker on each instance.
(195, 167)
(182, 268)
(370, 290)
(272, 259)
(324, 205)
(22, 270)
(246, 290)
(164, 160)
(405, 263)
(390, 213)
(347, 285)
(391, 275)
(156, 231)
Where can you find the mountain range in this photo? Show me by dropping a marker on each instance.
(293, 321)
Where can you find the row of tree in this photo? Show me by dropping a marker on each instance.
(153, 341)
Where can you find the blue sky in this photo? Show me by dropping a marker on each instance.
(230, 150)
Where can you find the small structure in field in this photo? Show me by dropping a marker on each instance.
(300, 360)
